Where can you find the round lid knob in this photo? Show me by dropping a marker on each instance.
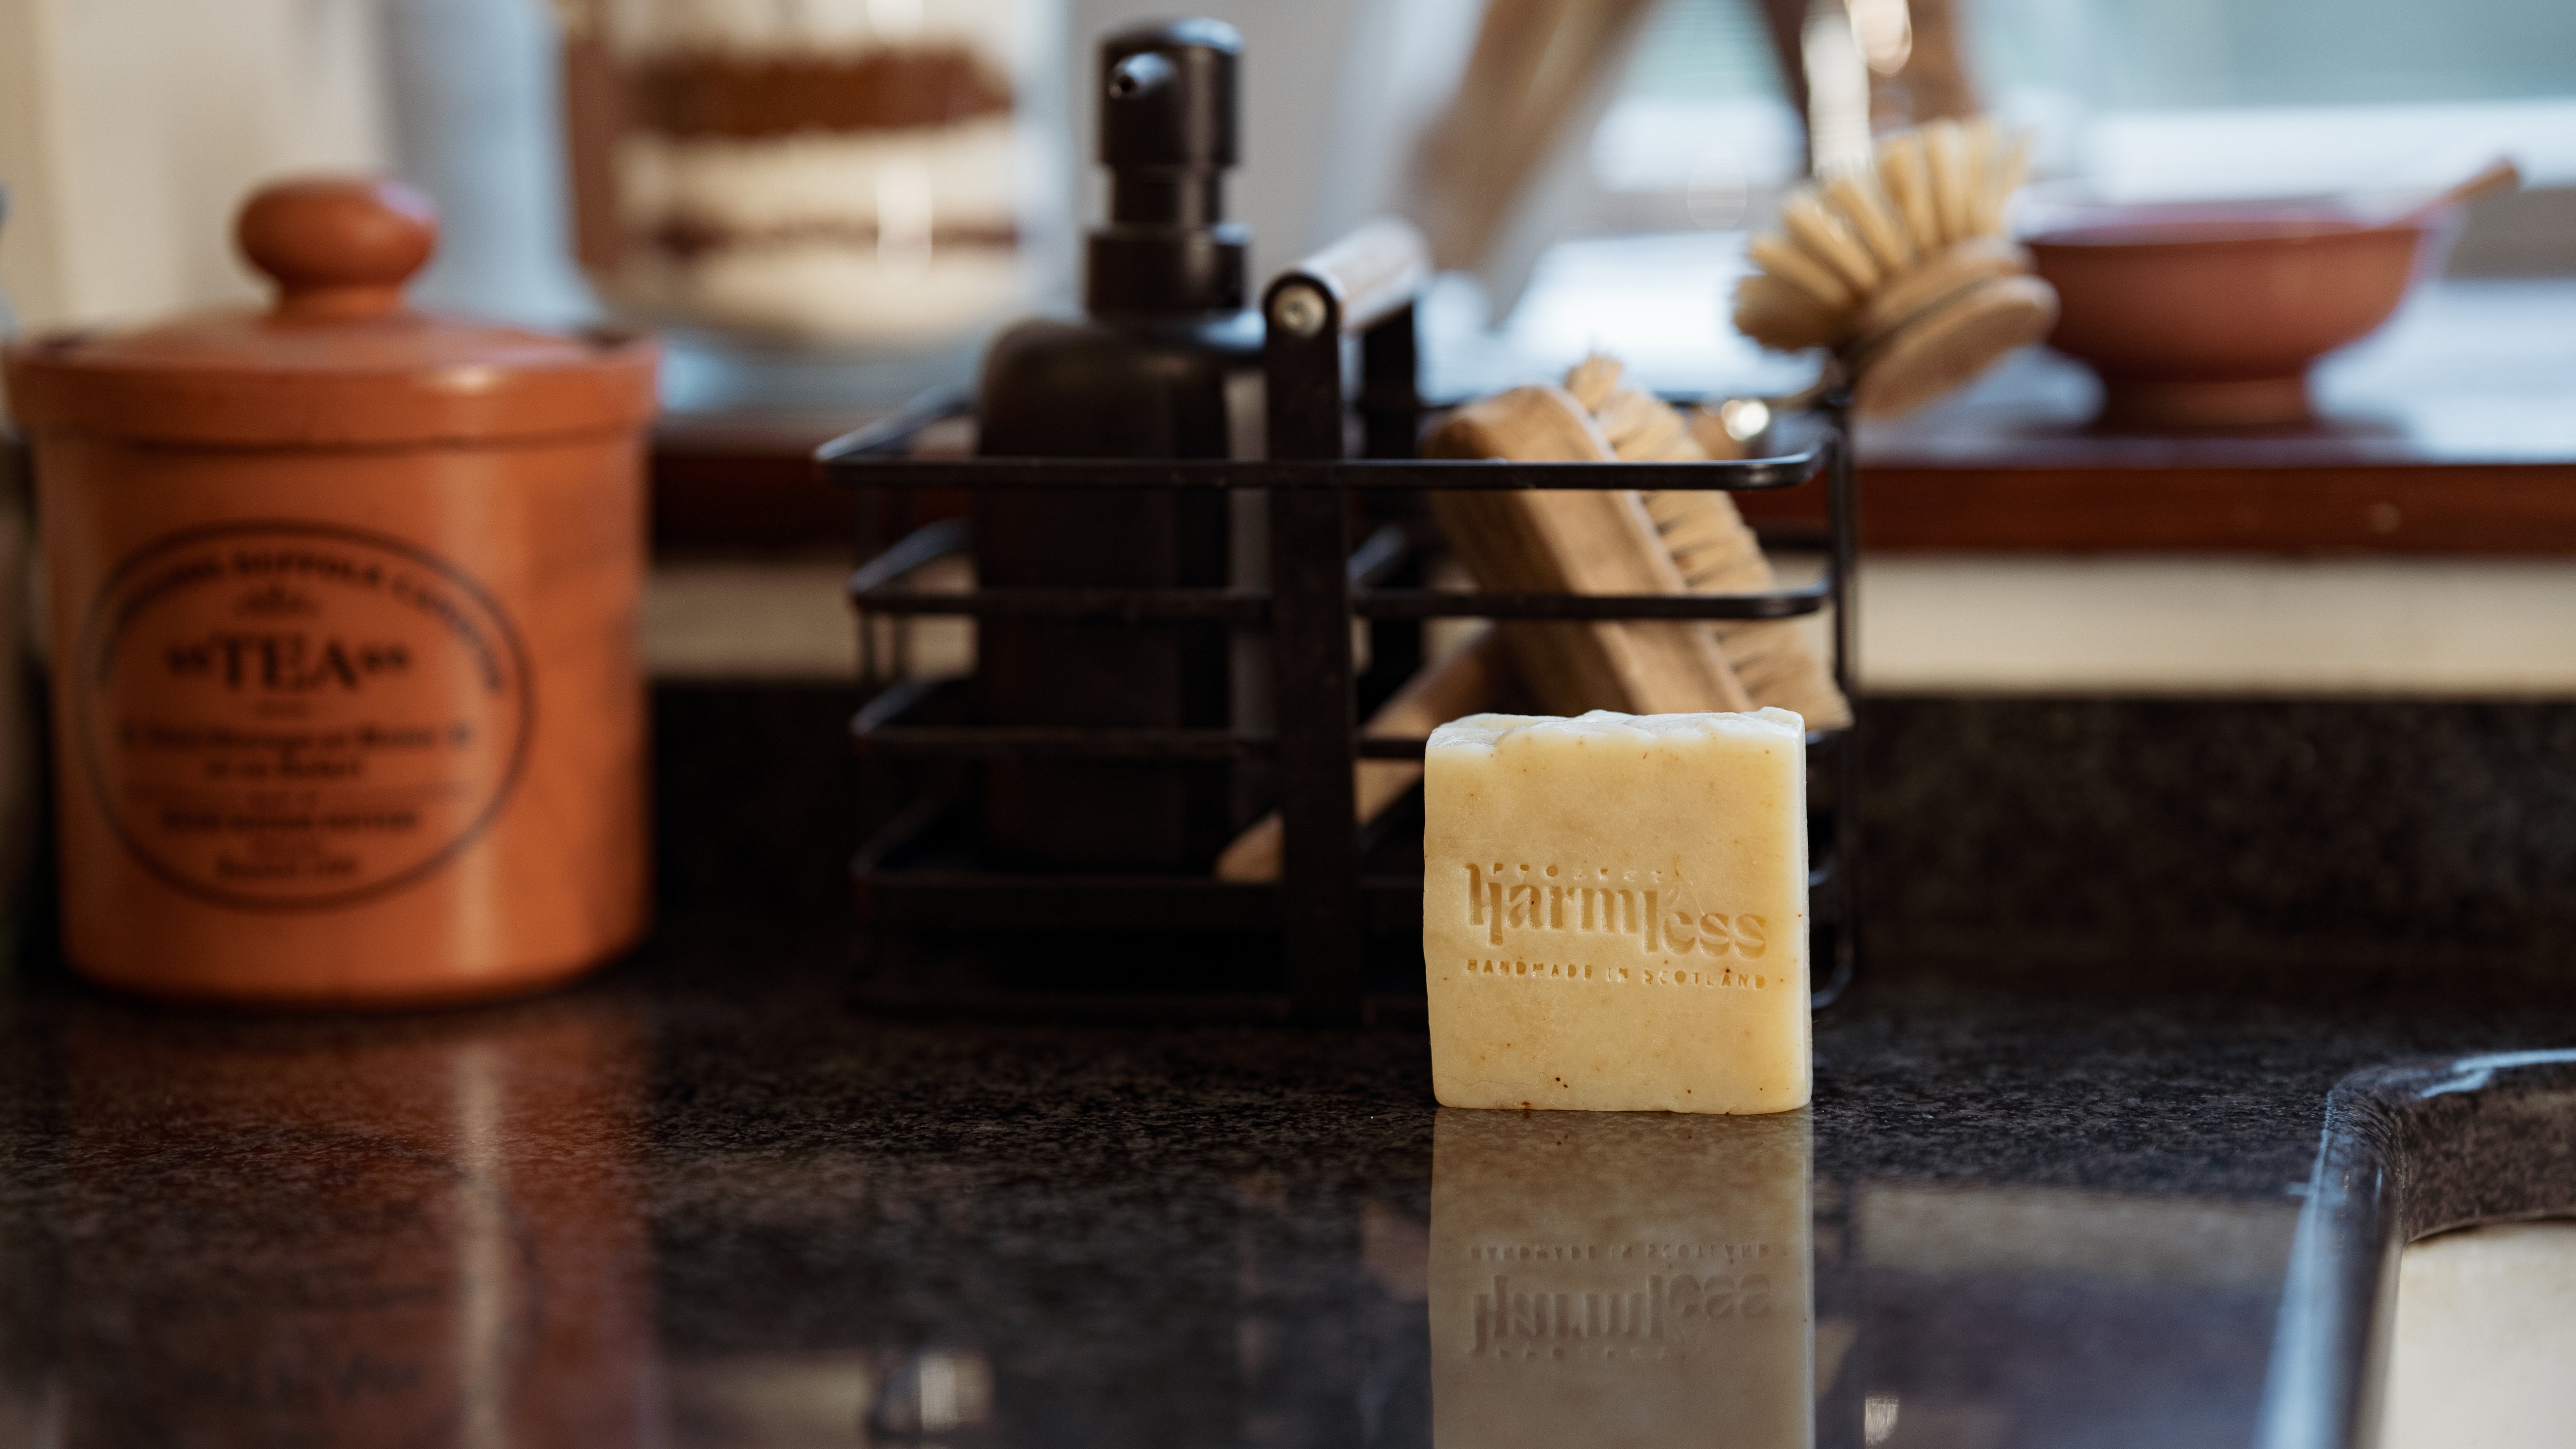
(338, 247)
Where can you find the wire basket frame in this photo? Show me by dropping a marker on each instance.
(1324, 907)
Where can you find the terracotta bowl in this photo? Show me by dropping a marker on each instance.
(2210, 316)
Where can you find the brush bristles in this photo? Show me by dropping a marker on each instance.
(1849, 236)
(1710, 545)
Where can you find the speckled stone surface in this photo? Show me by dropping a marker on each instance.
(2306, 840)
(2314, 838)
(705, 1200)
(2120, 952)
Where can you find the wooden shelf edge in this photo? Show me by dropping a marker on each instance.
(2440, 509)
(752, 487)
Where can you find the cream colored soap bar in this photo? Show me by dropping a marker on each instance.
(1614, 911)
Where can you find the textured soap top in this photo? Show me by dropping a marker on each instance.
(1504, 731)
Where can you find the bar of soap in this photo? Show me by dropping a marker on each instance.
(1621, 1281)
(1614, 911)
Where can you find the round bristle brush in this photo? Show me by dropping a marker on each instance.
(1902, 268)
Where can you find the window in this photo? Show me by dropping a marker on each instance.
(2135, 101)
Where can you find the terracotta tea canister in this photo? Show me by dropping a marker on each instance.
(347, 708)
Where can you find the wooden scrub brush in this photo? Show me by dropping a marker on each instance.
(1711, 547)
(1660, 541)
(1902, 268)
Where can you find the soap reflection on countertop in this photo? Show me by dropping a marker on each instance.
(1621, 1279)
(327, 1232)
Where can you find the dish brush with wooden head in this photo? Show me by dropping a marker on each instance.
(1902, 268)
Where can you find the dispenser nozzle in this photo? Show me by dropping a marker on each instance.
(1167, 135)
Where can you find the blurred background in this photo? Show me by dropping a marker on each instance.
(130, 128)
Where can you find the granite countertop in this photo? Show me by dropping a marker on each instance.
(704, 1200)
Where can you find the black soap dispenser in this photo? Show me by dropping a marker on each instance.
(1165, 365)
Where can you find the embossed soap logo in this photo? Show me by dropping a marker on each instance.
(1584, 1305)
(293, 715)
(1564, 915)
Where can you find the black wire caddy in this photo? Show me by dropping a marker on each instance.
(1336, 937)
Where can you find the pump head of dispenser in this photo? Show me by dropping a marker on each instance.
(1167, 137)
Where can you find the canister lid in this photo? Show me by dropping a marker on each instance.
(340, 360)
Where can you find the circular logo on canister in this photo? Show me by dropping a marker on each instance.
(285, 716)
